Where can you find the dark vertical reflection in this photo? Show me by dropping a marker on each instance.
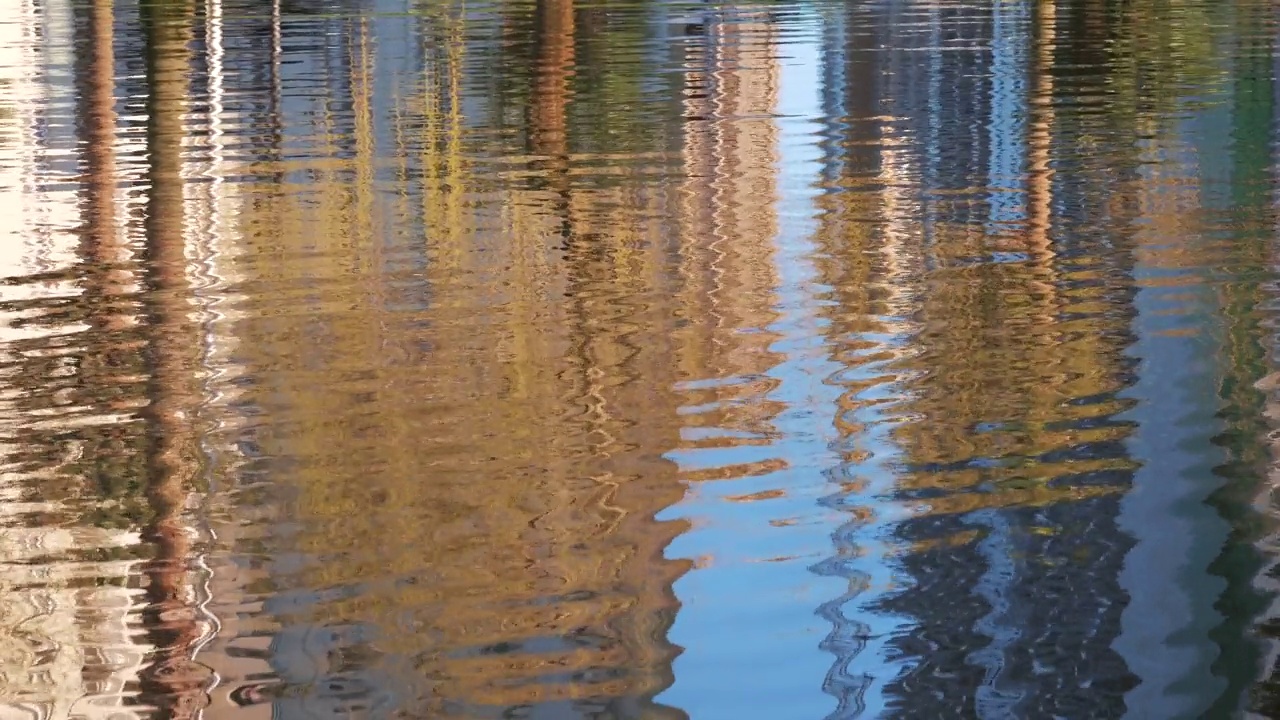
(1246, 559)
(1264, 693)
(172, 680)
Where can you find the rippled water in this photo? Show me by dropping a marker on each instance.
(639, 359)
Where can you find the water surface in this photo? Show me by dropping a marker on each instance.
(638, 359)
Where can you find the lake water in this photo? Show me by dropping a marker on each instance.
(558, 359)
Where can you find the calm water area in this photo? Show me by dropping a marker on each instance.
(620, 359)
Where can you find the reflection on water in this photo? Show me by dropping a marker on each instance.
(638, 358)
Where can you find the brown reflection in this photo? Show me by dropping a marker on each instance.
(726, 224)
(474, 487)
(1039, 138)
(1039, 172)
(109, 282)
(553, 68)
(100, 137)
(173, 680)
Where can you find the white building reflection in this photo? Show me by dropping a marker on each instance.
(66, 645)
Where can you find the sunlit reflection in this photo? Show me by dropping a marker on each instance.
(556, 359)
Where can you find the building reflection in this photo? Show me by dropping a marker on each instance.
(529, 580)
(353, 377)
(1015, 481)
